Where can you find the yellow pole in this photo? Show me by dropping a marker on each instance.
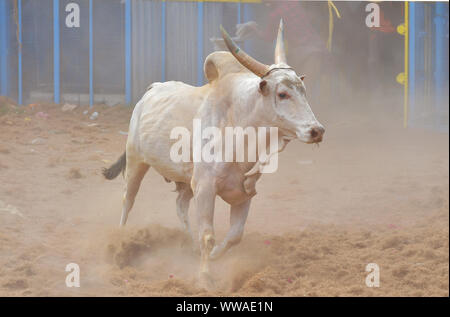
(405, 98)
(330, 22)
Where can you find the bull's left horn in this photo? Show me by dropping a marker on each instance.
(280, 54)
(259, 69)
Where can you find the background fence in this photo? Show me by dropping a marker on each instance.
(121, 46)
(428, 65)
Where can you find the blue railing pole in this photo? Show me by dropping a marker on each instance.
(128, 52)
(163, 41)
(3, 48)
(239, 12)
(200, 43)
(56, 52)
(440, 61)
(411, 58)
(91, 55)
(19, 71)
(246, 19)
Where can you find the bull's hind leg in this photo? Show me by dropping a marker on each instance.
(134, 174)
(238, 217)
(184, 197)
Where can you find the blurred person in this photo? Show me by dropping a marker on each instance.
(350, 49)
(303, 42)
(306, 30)
(305, 45)
(385, 54)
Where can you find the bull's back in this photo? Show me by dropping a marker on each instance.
(164, 107)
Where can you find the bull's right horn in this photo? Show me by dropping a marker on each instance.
(246, 60)
(280, 53)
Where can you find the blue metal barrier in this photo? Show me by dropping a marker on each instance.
(91, 55)
(76, 64)
(200, 80)
(4, 43)
(65, 60)
(19, 58)
(411, 58)
(441, 64)
(163, 41)
(56, 52)
(428, 65)
(128, 52)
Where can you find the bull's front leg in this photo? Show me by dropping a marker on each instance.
(204, 196)
(238, 217)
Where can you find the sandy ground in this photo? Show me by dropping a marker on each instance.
(371, 193)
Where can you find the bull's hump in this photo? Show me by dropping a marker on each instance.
(221, 63)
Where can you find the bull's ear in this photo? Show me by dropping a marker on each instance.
(263, 87)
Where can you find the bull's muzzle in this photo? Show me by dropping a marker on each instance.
(316, 134)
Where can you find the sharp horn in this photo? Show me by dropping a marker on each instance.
(280, 53)
(246, 60)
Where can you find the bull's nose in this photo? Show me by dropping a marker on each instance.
(317, 133)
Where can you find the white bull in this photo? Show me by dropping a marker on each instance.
(244, 94)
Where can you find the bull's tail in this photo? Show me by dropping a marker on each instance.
(116, 168)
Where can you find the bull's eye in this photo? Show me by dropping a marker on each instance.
(283, 95)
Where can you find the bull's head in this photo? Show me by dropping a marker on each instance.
(283, 91)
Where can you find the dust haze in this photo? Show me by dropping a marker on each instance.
(372, 192)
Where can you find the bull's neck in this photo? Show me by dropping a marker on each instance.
(246, 110)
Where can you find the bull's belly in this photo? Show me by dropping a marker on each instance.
(230, 187)
(153, 143)
(176, 172)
